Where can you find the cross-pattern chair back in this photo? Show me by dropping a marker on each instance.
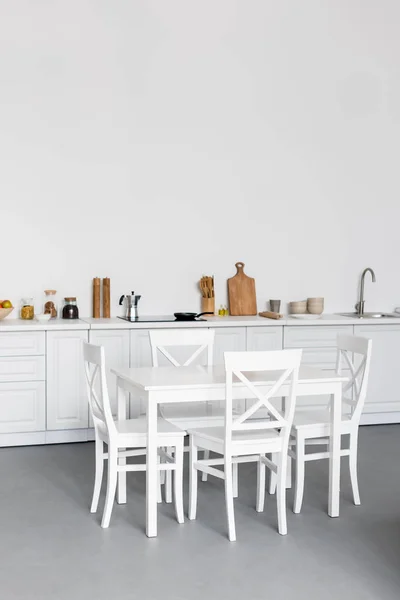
(99, 403)
(355, 354)
(161, 339)
(280, 367)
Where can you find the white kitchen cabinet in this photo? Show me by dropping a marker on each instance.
(319, 350)
(22, 368)
(24, 343)
(22, 407)
(116, 345)
(382, 404)
(67, 404)
(228, 339)
(264, 338)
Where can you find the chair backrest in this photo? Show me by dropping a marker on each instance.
(95, 371)
(280, 367)
(354, 353)
(161, 339)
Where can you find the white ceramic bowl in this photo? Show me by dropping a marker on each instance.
(43, 318)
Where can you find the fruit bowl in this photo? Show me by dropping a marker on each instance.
(4, 312)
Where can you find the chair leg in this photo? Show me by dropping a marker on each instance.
(272, 476)
(235, 477)
(204, 476)
(168, 481)
(260, 485)
(230, 515)
(99, 469)
(353, 467)
(159, 495)
(111, 485)
(299, 480)
(192, 479)
(178, 483)
(162, 473)
(281, 493)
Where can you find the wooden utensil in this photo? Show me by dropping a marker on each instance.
(96, 297)
(242, 293)
(270, 315)
(106, 298)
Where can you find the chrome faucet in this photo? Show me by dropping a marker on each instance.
(360, 304)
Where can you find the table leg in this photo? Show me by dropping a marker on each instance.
(334, 451)
(151, 468)
(121, 415)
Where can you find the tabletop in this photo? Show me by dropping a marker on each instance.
(199, 377)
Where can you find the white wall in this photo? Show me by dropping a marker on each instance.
(155, 141)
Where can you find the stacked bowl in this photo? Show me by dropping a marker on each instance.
(298, 308)
(315, 306)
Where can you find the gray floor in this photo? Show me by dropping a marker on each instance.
(52, 548)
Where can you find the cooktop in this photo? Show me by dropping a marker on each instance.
(157, 319)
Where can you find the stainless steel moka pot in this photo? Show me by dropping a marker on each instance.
(130, 302)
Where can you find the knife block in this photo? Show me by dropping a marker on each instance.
(208, 305)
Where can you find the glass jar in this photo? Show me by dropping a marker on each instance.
(70, 310)
(50, 303)
(27, 311)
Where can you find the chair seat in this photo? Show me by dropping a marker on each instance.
(317, 423)
(216, 437)
(134, 431)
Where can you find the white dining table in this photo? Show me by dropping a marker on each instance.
(167, 385)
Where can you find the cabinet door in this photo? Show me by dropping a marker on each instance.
(22, 343)
(382, 403)
(22, 407)
(67, 404)
(116, 350)
(264, 338)
(228, 339)
(22, 368)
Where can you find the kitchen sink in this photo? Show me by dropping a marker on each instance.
(370, 315)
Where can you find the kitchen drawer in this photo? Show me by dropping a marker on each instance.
(314, 337)
(22, 368)
(22, 407)
(22, 344)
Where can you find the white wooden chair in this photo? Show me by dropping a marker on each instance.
(245, 438)
(313, 427)
(196, 414)
(118, 435)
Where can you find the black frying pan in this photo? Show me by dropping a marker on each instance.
(182, 316)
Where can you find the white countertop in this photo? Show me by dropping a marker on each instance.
(7, 325)
(52, 325)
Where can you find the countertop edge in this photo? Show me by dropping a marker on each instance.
(91, 324)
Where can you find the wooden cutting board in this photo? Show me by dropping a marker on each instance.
(242, 293)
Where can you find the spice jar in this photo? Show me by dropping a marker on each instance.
(70, 310)
(50, 303)
(27, 309)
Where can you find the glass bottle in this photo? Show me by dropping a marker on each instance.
(27, 309)
(70, 310)
(50, 303)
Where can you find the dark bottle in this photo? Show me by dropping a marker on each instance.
(70, 310)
